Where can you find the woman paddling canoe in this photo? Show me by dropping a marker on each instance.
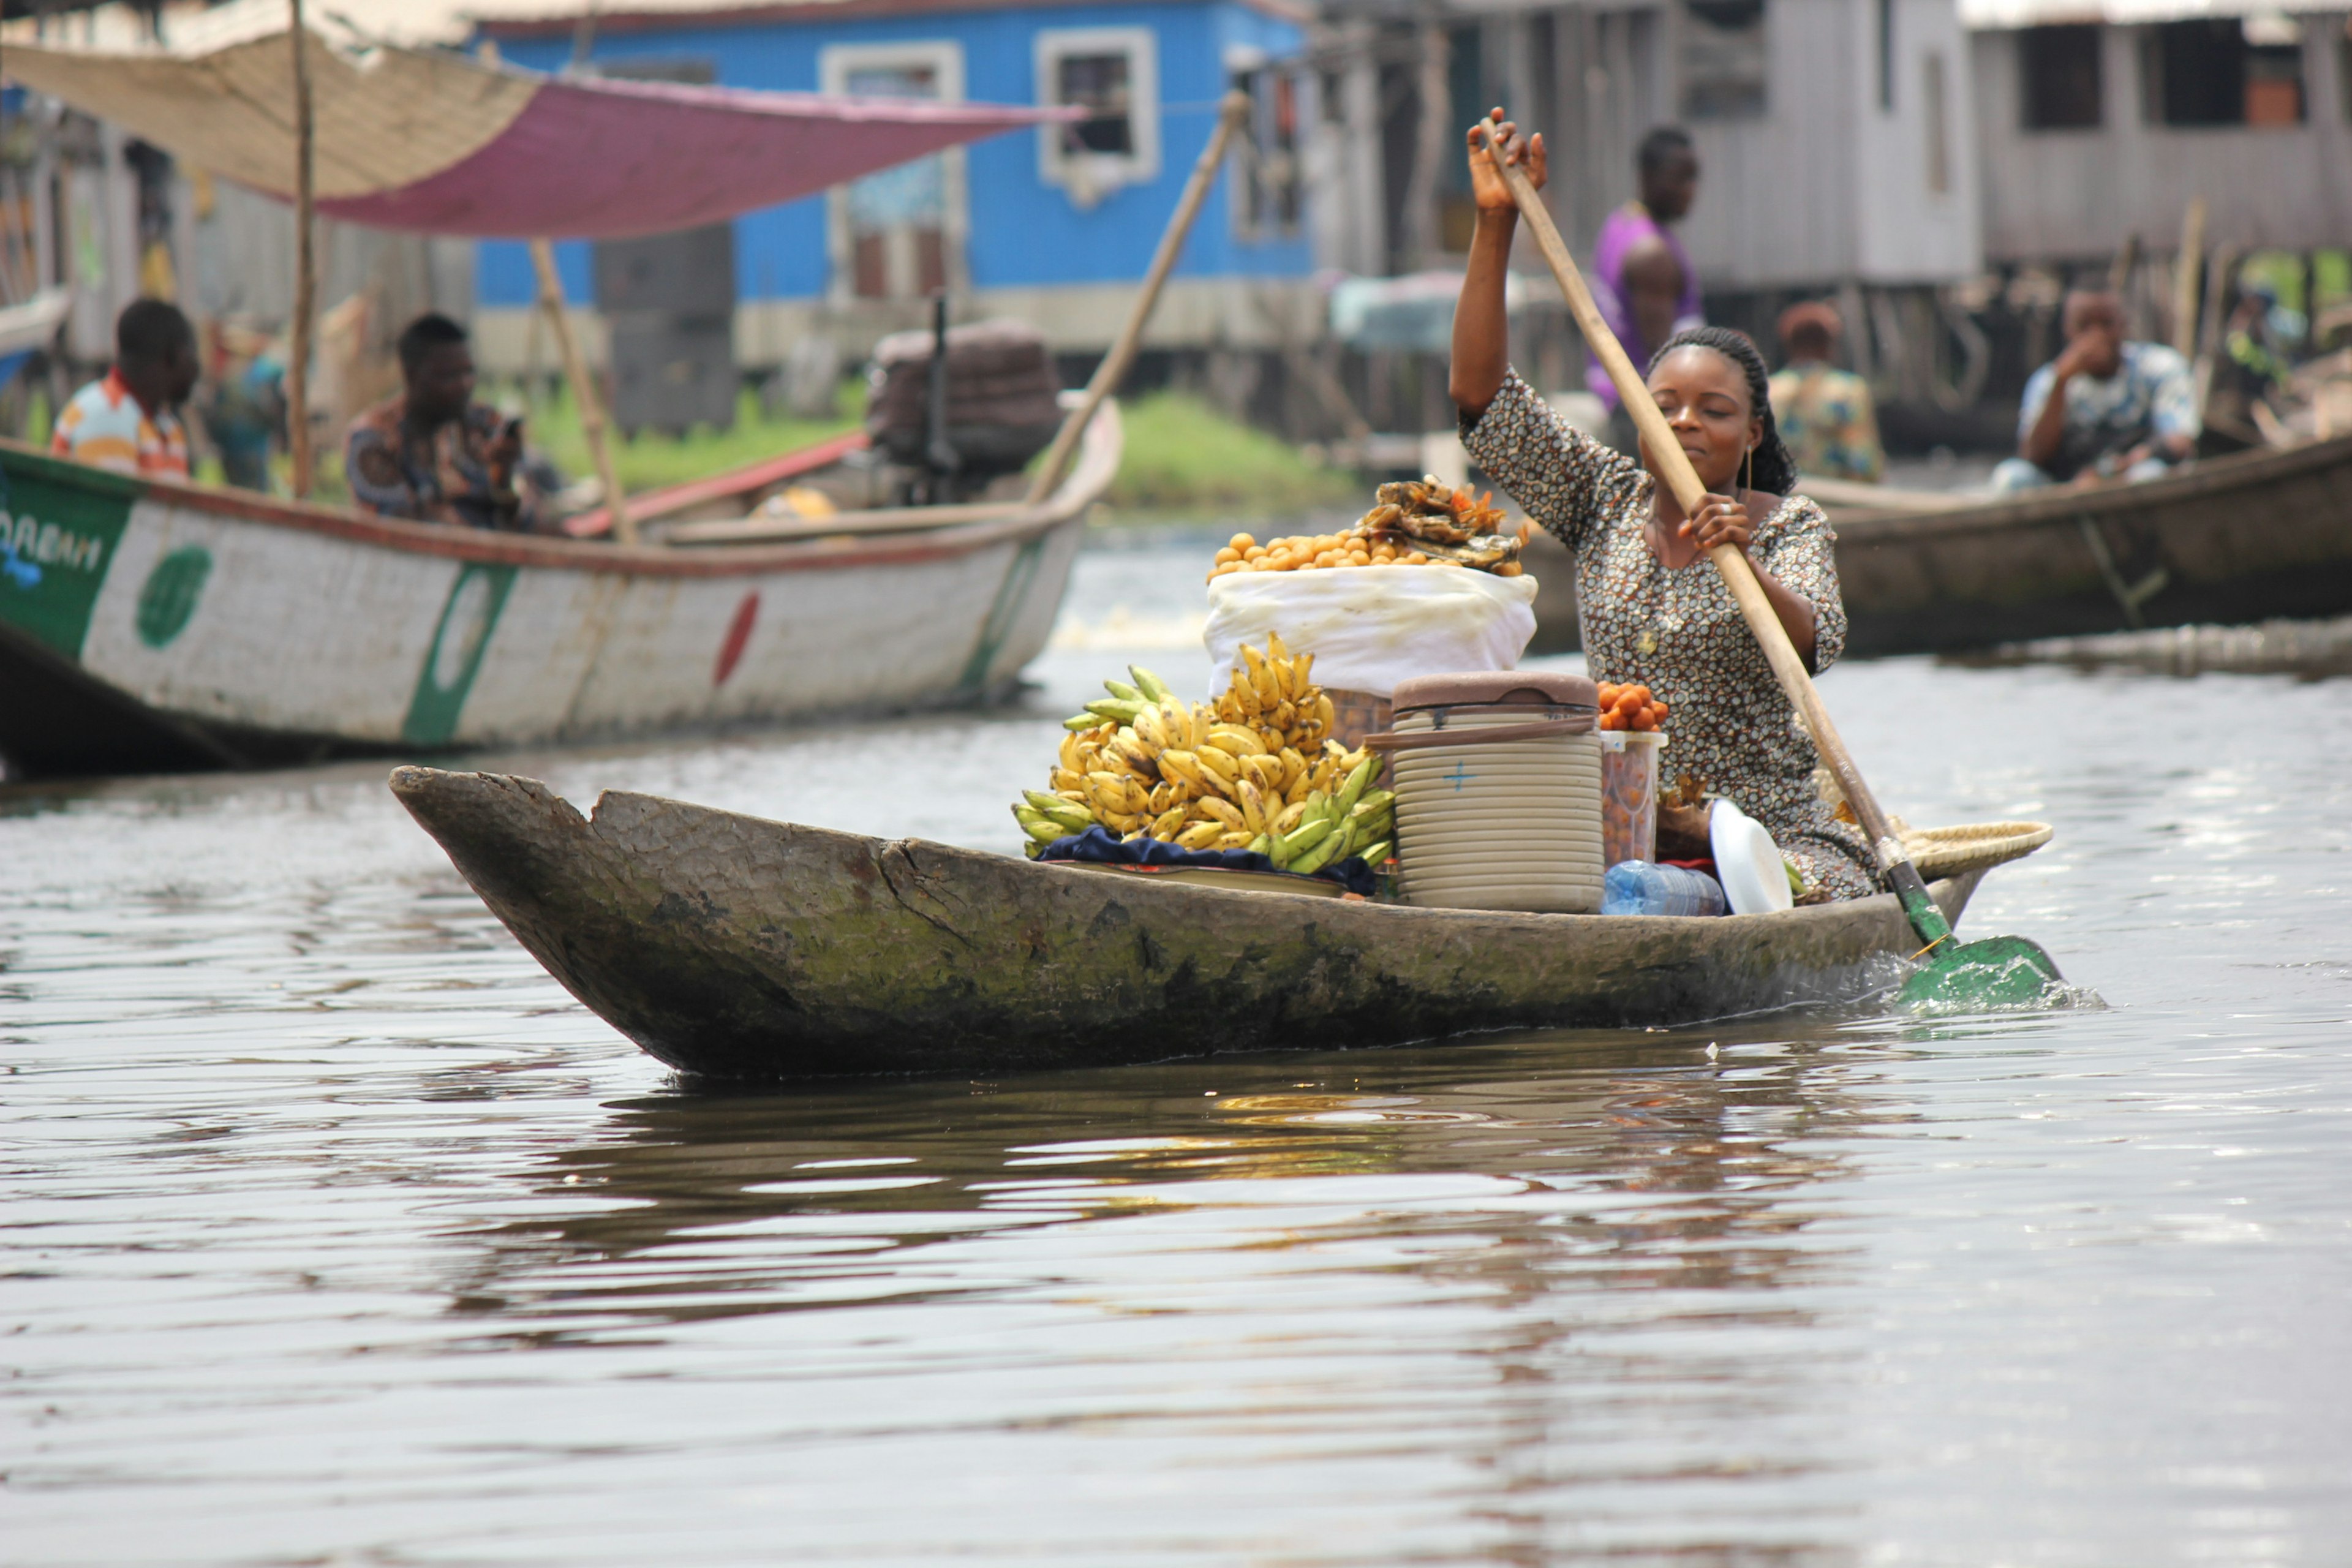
(1653, 607)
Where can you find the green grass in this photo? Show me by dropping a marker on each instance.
(651, 461)
(1182, 456)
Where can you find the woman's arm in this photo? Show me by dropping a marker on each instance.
(1481, 329)
(1723, 520)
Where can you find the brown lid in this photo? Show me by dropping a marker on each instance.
(1474, 689)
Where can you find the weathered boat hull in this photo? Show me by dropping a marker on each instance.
(149, 627)
(741, 948)
(2236, 538)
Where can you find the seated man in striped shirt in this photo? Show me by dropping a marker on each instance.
(129, 419)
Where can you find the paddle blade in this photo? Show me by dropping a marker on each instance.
(1999, 973)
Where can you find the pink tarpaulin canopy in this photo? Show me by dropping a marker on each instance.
(437, 143)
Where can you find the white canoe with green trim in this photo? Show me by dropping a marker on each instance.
(147, 626)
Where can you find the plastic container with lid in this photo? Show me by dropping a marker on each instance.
(1497, 780)
(1629, 792)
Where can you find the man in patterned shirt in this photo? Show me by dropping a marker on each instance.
(1825, 413)
(2104, 409)
(129, 419)
(432, 454)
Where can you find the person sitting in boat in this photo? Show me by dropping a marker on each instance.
(129, 419)
(1653, 607)
(1825, 415)
(432, 454)
(2105, 408)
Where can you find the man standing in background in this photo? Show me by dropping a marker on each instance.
(129, 419)
(1643, 278)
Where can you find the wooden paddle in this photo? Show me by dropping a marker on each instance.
(2001, 971)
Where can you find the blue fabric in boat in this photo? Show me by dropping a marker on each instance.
(1098, 846)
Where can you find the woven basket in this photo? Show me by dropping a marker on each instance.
(1977, 846)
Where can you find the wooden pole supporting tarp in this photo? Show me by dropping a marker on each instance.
(583, 391)
(306, 273)
(1114, 365)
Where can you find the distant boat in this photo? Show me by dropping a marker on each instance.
(149, 627)
(2248, 537)
(28, 327)
(742, 948)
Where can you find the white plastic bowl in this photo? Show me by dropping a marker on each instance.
(1746, 862)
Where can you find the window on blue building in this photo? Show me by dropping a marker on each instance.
(897, 235)
(1113, 74)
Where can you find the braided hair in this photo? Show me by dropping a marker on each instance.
(1772, 469)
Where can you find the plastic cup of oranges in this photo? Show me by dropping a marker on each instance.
(1629, 707)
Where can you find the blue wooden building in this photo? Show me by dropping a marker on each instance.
(1054, 225)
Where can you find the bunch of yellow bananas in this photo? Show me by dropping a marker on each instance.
(1255, 769)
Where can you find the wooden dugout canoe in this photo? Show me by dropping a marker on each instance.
(149, 627)
(739, 948)
(2244, 538)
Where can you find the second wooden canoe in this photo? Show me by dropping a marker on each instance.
(2232, 540)
(149, 627)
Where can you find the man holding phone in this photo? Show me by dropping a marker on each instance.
(432, 454)
(2105, 408)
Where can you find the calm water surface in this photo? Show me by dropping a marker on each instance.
(335, 1233)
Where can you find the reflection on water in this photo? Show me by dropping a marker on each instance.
(335, 1233)
(1672, 1148)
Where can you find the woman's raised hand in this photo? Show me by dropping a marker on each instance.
(1718, 521)
(1487, 188)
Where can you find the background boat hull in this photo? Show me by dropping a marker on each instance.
(160, 627)
(2236, 540)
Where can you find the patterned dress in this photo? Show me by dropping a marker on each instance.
(1680, 632)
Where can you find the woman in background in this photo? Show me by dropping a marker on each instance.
(1825, 413)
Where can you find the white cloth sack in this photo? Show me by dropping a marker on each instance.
(1370, 627)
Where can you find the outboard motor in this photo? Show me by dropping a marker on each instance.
(952, 421)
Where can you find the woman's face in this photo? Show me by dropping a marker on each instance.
(1703, 396)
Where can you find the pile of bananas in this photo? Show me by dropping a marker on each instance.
(1255, 769)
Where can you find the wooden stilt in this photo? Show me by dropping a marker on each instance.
(2186, 280)
(305, 278)
(583, 391)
